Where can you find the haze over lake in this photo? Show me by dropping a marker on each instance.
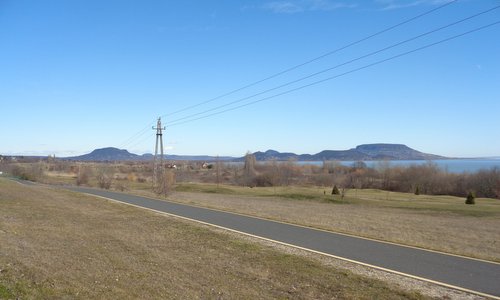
(450, 165)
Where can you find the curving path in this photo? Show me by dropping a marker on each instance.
(477, 276)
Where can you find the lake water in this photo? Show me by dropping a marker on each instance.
(450, 165)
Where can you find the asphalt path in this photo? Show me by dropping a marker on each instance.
(468, 274)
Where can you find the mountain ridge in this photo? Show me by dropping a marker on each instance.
(378, 151)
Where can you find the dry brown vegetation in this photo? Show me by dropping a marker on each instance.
(418, 179)
(294, 193)
(60, 244)
(424, 221)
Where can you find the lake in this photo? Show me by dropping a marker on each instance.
(450, 165)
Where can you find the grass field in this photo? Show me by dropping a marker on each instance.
(441, 223)
(371, 197)
(60, 244)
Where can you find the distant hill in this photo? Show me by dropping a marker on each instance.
(198, 157)
(107, 154)
(115, 154)
(395, 152)
(361, 152)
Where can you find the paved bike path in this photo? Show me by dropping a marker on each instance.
(469, 274)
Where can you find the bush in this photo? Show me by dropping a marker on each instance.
(470, 198)
(263, 180)
(104, 180)
(165, 183)
(335, 190)
(83, 176)
(120, 187)
(31, 172)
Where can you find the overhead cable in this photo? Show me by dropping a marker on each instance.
(312, 60)
(143, 131)
(340, 75)
(334, 67)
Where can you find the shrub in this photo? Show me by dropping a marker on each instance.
(104, 180)
(417, 191)
(121, 187)
(335, 190)
(32, 172)
(83, 176)
(18, 171)
(166, 182)
(263, 180)
(470, 198)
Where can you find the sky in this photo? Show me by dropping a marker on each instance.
(80, 75)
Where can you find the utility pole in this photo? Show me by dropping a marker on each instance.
(158, 161)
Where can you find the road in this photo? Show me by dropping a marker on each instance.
(479, 276)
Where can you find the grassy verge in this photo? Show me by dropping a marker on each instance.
(367, 197)
(441, 223)
(59, 244)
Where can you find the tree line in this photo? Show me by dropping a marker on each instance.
(425, 178)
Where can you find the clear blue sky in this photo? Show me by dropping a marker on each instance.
(79, 75)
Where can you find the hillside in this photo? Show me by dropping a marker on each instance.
(107, 154)
(115, 154)
(361, 152)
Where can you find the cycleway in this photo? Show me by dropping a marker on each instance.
(478, 276)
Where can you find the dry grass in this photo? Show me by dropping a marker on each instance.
(442, 223)
(59, 244)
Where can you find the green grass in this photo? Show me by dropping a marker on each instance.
(205, 188)
(5, 293)
(484, 207)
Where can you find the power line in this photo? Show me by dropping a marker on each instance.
(142, 140)
(340, 75)
(334, 67)
(140, 133)
(313, 59)
(137, 135)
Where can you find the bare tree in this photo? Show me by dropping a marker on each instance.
(249, 169)
(287, 171)
(167, 184)
(104, 178)
(83, 176)
(275, 174)
(217, 171)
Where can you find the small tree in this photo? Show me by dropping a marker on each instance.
(104, 179)
(417, 191)
(343, 193)
(83, 176)
(471, 199)
(335, 190)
